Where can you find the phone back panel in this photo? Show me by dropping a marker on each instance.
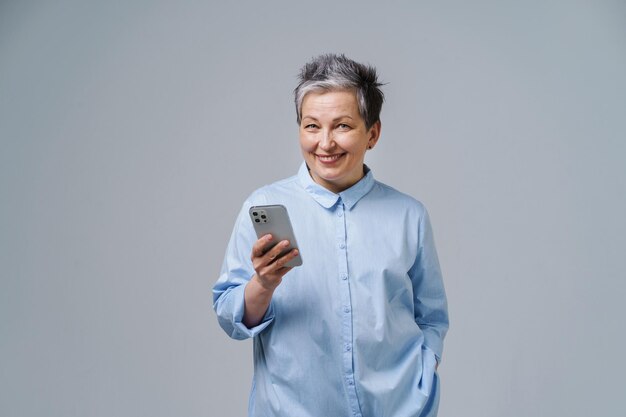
(274, 219)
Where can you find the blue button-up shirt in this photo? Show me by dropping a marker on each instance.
(357, 329)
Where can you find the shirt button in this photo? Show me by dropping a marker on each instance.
(342, 246)
(346, 309)
(344, 276)
(348, 347)
(340, 213)
(350, 382)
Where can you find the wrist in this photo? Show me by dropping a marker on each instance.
(260, 288)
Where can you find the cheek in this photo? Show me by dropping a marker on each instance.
(307, 144)
(350, 144)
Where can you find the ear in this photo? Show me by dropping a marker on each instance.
(373, 134)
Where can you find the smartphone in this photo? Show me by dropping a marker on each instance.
(274, 219)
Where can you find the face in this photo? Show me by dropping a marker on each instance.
(334, 139)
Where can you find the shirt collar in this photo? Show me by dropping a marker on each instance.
(327, 198)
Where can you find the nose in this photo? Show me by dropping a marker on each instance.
(326, 141)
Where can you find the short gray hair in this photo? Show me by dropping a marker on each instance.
(332, 72)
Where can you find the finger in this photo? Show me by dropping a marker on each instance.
(283, 260)
(282, 271)
(275, 252)
(278, 268)
(259, 246)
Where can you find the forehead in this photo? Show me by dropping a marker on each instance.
(321, 103)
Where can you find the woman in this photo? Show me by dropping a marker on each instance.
(358, 329)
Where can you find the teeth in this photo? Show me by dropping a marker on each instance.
(328, 158)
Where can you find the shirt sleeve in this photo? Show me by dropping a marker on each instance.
(429, 296)
(236, 272)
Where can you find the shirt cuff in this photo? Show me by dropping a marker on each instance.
(431, 352)
(433, 342)
(240, 331)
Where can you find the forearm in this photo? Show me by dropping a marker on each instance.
(256, 302)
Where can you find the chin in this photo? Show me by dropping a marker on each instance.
(328, 174)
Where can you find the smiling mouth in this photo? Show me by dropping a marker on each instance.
(329, 158)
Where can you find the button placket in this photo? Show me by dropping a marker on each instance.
(346, 308)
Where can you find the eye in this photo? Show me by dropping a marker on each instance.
(310, 126)
(343, 126)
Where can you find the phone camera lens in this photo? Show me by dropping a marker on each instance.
(254, 213)
(257, 220)
(263, 216)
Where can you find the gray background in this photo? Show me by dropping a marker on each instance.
(131, 132)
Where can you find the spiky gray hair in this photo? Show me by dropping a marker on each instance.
(332, 72)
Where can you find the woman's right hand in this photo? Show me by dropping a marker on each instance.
(270, 266)
(270, 269)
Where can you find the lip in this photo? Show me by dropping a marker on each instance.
(329, 159)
